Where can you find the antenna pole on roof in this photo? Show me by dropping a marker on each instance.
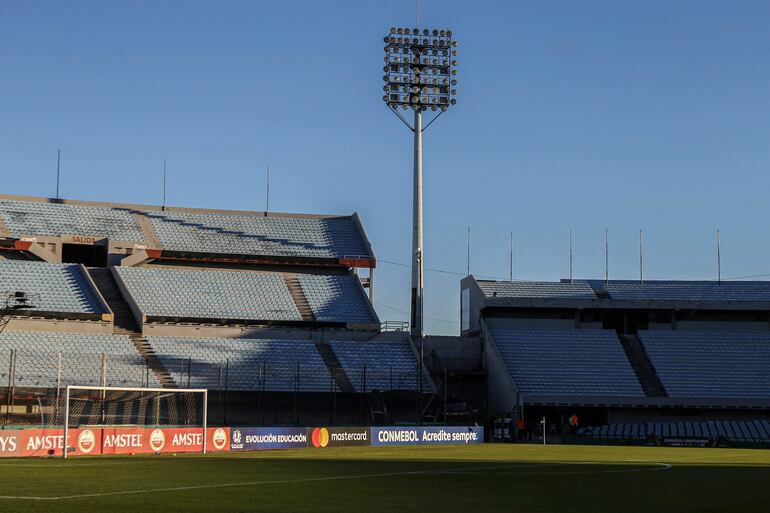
(267, 195)
(510, 259)
(469, 250)
(164, 186)
(606, 256)
(58, 171)
(641, 260)
(570, 255)
(719, 258)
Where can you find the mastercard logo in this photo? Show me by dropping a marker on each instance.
(320, 437)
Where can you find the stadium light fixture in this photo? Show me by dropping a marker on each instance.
(420, 74)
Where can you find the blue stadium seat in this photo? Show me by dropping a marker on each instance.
(258, 235)
(566, 362)
(690, 290)
(746, 431)
(336, 298)
(387, 365)
(59, 288)
(536, 289)
(83, 359)
(243, 364)
(711, 364)
(210, 294)
(27, 218)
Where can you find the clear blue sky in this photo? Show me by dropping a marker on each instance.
(582, 115)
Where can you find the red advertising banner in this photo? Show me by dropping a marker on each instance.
(97, 440)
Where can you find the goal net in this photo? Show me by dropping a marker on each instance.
(118, 407)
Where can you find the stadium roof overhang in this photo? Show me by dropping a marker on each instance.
(163, 254)
(623, 304)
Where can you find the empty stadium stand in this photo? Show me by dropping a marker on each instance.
(186, 293)
(31, 218)
(46, 360)
(245, 296)
(58, 288)
(254, 235)
(337, 298)
(749, 431)
(536, 289)
(244, 364)
(566, 362)
(181, 234)
(688, 291)
(711, 364)
(379, 365)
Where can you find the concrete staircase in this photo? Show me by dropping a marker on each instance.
(642, 366)
(125, 324)
(298, 295)
(335, 367)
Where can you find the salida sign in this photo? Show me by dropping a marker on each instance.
(50, 442)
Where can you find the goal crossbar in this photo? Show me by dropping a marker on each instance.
(93, 388)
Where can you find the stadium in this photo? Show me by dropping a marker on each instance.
(182, 358)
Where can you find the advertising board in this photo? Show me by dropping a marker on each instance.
(97, 440)
(430, 435)
(255, 439)
(321, 437)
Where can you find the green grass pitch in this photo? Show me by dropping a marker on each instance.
(492, 477)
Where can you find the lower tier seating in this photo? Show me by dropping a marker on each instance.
(711, 364)
(733, 430)
(47, 360)
(375, 365)
(243, 364)
(588, 362)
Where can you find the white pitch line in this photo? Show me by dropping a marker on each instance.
(663, 466)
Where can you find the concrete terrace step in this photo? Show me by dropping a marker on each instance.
(335, 367)
(298, 295)
(125, 324)
(640, 362)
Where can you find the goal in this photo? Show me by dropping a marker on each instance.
(126, 407)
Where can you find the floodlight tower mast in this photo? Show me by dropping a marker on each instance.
(420, 70)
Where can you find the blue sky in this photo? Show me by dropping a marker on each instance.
(583, 115)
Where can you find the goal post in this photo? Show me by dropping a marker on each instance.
(127, 407)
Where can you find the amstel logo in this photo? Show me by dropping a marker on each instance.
(86, 441)
(157, 440)
(320, 437)
(219, 439)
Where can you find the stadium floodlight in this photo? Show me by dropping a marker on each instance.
(426, 60)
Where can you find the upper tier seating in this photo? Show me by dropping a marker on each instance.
(28, 218)
(83, 357)
(705, 364)
(536, 289)
(692, 291)
(737, 431)
(258, 235)
(189, 293)
(566, 362)
(243, 364)
(388, 365)
(191, 232)
(59, 288)
(336, 298)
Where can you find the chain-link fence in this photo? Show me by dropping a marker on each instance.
(32, 384)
